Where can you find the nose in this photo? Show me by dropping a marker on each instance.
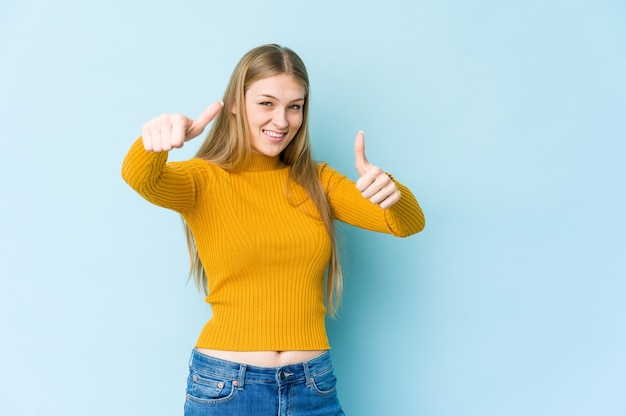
(280, 118)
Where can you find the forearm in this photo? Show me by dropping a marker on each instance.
(169, 185)
(141, 169)
(402, 219)
(405, 217)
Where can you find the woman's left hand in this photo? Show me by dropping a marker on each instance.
(374, 184)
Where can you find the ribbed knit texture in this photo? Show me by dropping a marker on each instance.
(265, 253)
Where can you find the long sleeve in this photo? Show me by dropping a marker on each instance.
(265, 259)
(402, 219)
(173, 185)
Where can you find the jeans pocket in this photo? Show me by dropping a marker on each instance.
(324, 384)
(209, 390)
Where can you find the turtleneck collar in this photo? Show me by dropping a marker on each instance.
(260, 163)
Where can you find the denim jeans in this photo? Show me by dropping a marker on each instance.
(219, 387)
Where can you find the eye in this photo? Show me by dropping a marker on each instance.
(265, 104)
(295, 107)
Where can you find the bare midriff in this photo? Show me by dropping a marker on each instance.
(263, 358)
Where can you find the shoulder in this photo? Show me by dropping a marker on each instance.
(328, 176)
(323, 168)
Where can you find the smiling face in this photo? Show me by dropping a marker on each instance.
(274, 108)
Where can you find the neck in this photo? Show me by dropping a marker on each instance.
(260, 163)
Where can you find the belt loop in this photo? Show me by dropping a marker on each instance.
(242, 377)
(307, 374)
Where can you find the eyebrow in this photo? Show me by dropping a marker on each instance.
(274, 98)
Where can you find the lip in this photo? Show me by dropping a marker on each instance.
(274, 136)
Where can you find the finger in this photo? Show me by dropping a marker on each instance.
(165, 130)
(155, 135)
(146, 136)
(359, 151)
(376, 184)
(178, 125)
(368, 178)
(384, 193)
(198, 125)
(391, 200)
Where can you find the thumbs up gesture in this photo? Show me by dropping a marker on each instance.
(373, 183)
(165, 132)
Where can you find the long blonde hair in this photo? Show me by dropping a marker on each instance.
(228, 146)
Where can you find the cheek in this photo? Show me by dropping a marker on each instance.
(253, 119)
(296, 121)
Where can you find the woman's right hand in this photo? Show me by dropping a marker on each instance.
(168, 131)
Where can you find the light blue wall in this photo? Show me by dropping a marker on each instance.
(506, 118)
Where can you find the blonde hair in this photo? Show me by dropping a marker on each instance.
(228, 146)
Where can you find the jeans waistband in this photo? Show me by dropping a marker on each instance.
(243, 373)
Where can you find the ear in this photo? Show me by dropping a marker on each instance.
(233, 108)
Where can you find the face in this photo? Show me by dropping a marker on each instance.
(274, 107)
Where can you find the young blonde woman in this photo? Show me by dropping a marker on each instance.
(259, 216)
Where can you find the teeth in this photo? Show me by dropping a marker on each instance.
(274, 134)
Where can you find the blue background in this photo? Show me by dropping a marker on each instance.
(506, 119)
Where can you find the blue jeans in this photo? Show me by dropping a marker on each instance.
(219, 387)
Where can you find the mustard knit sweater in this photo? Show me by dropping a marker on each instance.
(265, 254)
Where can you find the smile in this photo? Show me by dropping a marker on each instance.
(275, 134)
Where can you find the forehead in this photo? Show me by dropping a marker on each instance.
(282, 86)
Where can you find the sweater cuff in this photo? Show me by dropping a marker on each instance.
(405, 217)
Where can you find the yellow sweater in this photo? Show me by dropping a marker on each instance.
(265, 255)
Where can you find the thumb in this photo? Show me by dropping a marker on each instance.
(359, 151)
(198, 125)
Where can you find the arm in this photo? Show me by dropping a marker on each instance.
(145, 168)
(376, 201)
(402, 219)
(169, 185)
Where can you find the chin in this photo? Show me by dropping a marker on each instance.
(273, 153)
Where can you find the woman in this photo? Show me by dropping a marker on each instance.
(259, 216)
